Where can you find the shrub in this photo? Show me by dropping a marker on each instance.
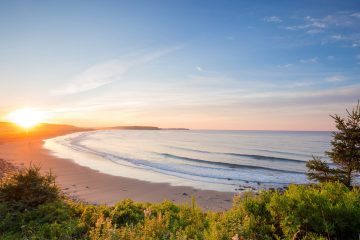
(104, 230)
(329, 210)
(324, 211)
(27, 189)
(127, 212)
(192, 222)
(249, 218)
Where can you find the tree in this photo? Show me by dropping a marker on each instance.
(345, 152)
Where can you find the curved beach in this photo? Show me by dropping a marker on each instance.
(91, 186)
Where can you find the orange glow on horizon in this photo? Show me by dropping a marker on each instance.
(26, 118)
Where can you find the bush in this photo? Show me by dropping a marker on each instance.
(330, 210)
(104, 230)
(324, 211)
(27, 189)
(249, 218)
(127, 212)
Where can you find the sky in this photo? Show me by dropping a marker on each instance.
(279, 65)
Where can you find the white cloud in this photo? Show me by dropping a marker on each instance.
(335, 78)
(312, 25)
(202, 70)
(337, 37)
(199, 69)
(338, 19)
(274, 19)
(331, 57)
(107, 72)
(349, 40)
(310, 60)
(285, 65)
(356, 15)
(291, 28)
(317, 24)
(314, 31)
(94, 77)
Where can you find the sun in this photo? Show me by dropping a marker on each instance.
(26, 118)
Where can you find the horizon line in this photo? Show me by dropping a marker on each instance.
(185, 128)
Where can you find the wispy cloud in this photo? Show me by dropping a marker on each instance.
(335, 78)
(315, 31)
(310, 60)
(273, 19)
(332, 94)
(314, 25)
(107, 72)
(94, 77)
(357, 15)
(310, 25)
(347, 39)
(337, 37)
(286, 65)
(202, 70)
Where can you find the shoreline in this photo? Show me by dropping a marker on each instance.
(94, 187)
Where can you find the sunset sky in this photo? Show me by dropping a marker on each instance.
(197, 64)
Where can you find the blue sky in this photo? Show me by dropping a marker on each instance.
(198, 64)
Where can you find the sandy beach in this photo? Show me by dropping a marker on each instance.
(94, 187)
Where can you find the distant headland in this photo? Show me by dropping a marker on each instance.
(143, 128)
(10, 131)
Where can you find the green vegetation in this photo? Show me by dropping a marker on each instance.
(32, 207)
(345, 152)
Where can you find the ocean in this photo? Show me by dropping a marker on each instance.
(212, 160)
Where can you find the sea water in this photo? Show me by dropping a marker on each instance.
(213, 160)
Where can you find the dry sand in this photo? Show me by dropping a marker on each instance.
(94, 187)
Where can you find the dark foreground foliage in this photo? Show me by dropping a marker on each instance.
(28, 189)
(32, 208)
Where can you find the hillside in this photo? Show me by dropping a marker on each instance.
(12, 132)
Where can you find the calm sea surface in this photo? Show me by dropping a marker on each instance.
(215, 160)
